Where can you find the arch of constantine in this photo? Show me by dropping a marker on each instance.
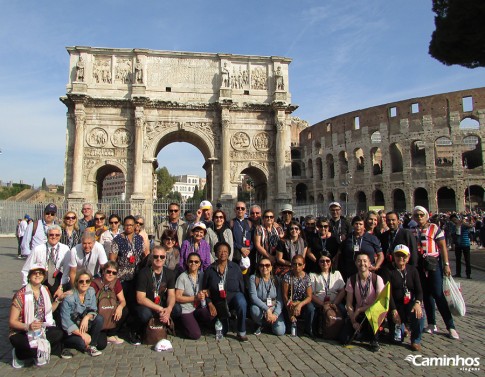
(125, 105)
(424, 151)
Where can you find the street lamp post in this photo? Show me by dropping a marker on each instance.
(465, 165)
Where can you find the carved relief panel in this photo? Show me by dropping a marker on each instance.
(259, 77)
(102, 70)
(123, 71)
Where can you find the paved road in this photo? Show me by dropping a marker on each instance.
(261, 356)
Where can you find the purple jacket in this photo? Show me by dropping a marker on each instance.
(188, 247)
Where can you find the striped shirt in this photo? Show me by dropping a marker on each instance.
(427, 240)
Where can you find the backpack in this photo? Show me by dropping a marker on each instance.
(330, 321)
(107, 303)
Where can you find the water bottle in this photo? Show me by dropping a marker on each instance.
(397, 332)
(293, 328)
(218, 327)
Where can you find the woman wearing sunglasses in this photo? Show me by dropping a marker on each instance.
(267, 236)
(297, 295)
(80, 318)
(324, 242)
(111, 302)
(221, 232)
(292, 244)
(99, 225)
(71, 235)
(191, 297)
(106, 238)
(266, 300)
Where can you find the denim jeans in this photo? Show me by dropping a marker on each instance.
(416, 324)
(94, 330)
(257, 315)
(239, 304)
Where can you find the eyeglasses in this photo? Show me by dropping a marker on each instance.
(335, 210)
(127, 225)
(309, 225)
(54, 235)
(323, 261)
(50, 213)
(87, 209)
(193, 262)
(322, 226)
(70, 218)
(294, 228)
(400, 255)
(265, 265)
(168, 239)
(295, 264)
(419, 215)
(269, 217)
(255, 213)
(114, 222)
(111, 272)
(287, 213)
(87, 281)
(38, 272)
(139, 223)
(240, 208)
(99, 218)
(218, 217)
(173, 210)
(161, 257)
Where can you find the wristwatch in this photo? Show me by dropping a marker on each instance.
(447, 264)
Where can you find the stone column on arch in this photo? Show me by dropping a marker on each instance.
(138, 158)
(78, 155)
(281, 146)
(225, 157)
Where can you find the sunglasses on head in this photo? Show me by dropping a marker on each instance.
(70, 218)
(161, 257)
(111, 272)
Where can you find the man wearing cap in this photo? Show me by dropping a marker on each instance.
(55, 257)
(22, 227)
(396, 235)
(286, 216)
(204, 214)
(339, 226)
(405, 305)
(36, 233)
(174, 222)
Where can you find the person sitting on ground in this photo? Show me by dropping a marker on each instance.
(406, 297)
(31, 311)
(362, 290)
(109, 286)
(192, 298)
(80, 318)
(266, 300)
(297, 295)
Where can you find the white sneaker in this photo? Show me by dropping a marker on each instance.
(16, 363)
(431, 329)
(454, 334)
(115, 340)
(93, 351)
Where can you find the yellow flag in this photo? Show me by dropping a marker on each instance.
(378, 310)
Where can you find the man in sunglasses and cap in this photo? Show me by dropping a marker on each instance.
(36, 232)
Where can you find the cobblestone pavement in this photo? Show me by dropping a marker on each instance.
(265, 355)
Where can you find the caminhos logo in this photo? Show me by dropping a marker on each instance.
(466, 364)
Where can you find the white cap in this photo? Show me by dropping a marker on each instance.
(403, 249)
(245, 263)
(163, 345)
(200, 225)
(37, 266)
(205, 204)
(334, 204)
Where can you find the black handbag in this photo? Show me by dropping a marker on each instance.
(430, 263)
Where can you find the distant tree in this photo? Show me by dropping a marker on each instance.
(7, 192)
(60, 189)
(174, 196)
(459, 37)
(44, 185)
(199, 195)
(165, 182)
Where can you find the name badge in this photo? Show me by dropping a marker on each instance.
(221, 286)
(269, 302)
(356, 248)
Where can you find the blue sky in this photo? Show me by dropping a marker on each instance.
(346, 56)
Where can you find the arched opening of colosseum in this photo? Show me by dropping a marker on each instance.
(330, 166)
(398, 200)
(318, 147)
(359, 159)
(259, 183)
(295, 169)
(378, 198)
(361, 200)
(421, 197)
(319, 168)
(443, 147)
(343, 162)
(295, 154)
(310, 169)
(469, 123)
(418, 153)
(301, 193)
(303, 170)
(376, 159)
(320, 198)
(330, 197)
(446, 199)
(110, 184)
(311, 199)
(476, 197)
(395, 153)
(472, 152)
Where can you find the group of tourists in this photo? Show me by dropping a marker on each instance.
(87, 282)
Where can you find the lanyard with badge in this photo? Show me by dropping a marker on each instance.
(195, 285)
(222, 282)
(364, 290)
(407, 294)
(326, 286)
(85, 263)
(156, 287)
(49, 257)
(245, 241)
(269, 300)
(357, 244)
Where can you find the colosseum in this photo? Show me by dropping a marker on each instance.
(422, 151)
